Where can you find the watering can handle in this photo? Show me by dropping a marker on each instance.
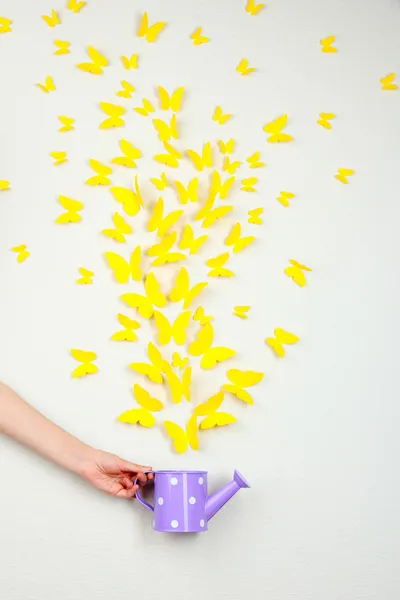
(139, 497)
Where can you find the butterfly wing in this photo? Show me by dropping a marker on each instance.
(215, 355)
(239, 393)
(153, 292)
(164, 328)
(137, 415)
(150, 371)
(145, 400)
(181, 288)
(203, 342)
(179, 327)
(178, 435)
(119, 266)
(285, 337)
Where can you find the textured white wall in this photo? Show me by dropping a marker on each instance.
(319, 446)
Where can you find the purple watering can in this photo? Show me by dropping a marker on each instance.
(181, 503)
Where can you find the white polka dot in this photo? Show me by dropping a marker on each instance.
(192, 500)
(160, 501)
(174, 481)
(174, 524)
(201, 480)
(202, 523)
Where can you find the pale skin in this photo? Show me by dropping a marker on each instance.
(105, 471)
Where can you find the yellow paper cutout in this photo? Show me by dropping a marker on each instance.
(179, 387)
(198, 38)
(238, 243)
(59, 157)
(226, 147)
(281, 337)
(67, 123)
(170, 159)
(98, 62)
(326, 44)
(122, 228)
(130, 63)
(87, 276)
(241, 311)
(210, 215)
(142, 415)
(130, 155)
(181, 290)
(131, 200)
(161, 183)
(165, 131)
(160, 223)
(62, 47)
(154, 371)
(201, 317)
(388, 82)
(178, 362)
(284, 198)
(202, 346)
(22, 251)
(219, 117)
(275, 128)
(254, 216)
(231, 167)
(5, 25)
(48, 86)
(4, 185)
(172, 102)
(73, 208)
(162, 251)
(102, 173)
(175, 331)
(248, 184)
(114, 113)
(324, 120)
(146, 109)
(127, 334)
(127, 89)
(75, 6)
(243, 67)
(145, 400)
(145, 304)
(209, 409)
(240, 380)
(203, 161)
(217, 187)
(343, 174)
(295, 271)
(52, 20)
(254, 161)
(217, 266)
(188, 193)
(138, 416)
(189, 242)
(252, 8)
(150, 33)
(124, 270)
(87, 367)
(183, 438)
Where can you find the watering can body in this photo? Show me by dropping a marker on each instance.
(181, 503)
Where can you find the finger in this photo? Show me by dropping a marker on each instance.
(127, 493)
(132, 467)
(142, 477)
(128, 483)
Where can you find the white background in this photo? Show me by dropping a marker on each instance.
(320, 445)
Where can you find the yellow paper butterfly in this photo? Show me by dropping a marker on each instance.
(217, 187)
(145, 304)
(190, 193)
(284, 198)
(178, 362)
(48, 86)
(124, 270)
(240, 380)
(183, 438)
(150, 33)
(122, 228)
(131, 200)
(102, 173)
(171, 159)
(130, 155)
(179, 387)
(127, 334)
(5, 25)
(75, 6)
(142, 415)
(22, 251)
(198, 38)
(161, 183)
(87, 276)
(114, 113)
(238, 243)
(241, 311)
(4, 185)
(189, 242)
(146, 109)
(219, 117)
(98, 62)
(175, 331)
(162, 251)
(254, 216)
(388, 82)
(254, 161)
(226, 147)
(52, 20)
(182, 291)
(231, 167)
(295, 271)
(205, 160)
(248, 184)
(217, 266)
(165, 131)
(274, 128)
(62, 47)
(243, 67)
(201, 317)
(210, 215)
(87, 367)
(281, 337)
(159, 222)
(127, 89)
(203, 347)
(130, 63)
(73, 208)
(59, 157)
(343, 174)
(155, 370)
(252, 8)
(209, 410)
(67, 123)
(172, 102)
(324, 120)
(326, 44)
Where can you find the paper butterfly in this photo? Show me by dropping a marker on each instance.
(130, 63)
(22, 251)
(122, 228)
(172, 102)
(4, 185)
(388, 82)
(130, 200)
(181, 438)
(162, 251)
(146, 109)
(343, 174)
(179, 387)
(254, 161)
(142, 415)
(67, 123)
(160, 223)
(209, 410)
(241, 311)
(254, 216)
(326, 44)
(98, 62)
(324, 120)
(53, 20)
(226, 147)
(240, 380)
(87, 276)
(274, 128)
(59, 157)
(182, 290)
(87, 367)
(155, 370)
(284, 198)
(252, 8)
(217, 187)
(243, 67)
(161, 183)
(170, 159)
(217, 266)
(73, 208)
(219, 117)
(102, 173)
(189, 193)
(5, 25)
(203, 347)
(62, 47)
(248, 184)
(201, 317)
(114, 113)
(205, 160)
(231, 167)
(165, 131)
(238, 243)
(176, 331)
(130, 155)
(127, 89)
(178, 362)
(127, 334)
(124, 270)
(189, 242)
(198, 38)
(48, 86)
(281, 337)
(210, 215)
(75, 6)
(295, 271)
(145, 304)
(151, 33)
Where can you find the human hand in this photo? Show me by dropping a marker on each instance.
(114, 475)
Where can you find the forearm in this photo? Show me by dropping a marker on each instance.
(27, 426)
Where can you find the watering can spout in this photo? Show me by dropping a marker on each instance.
(221, 497)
